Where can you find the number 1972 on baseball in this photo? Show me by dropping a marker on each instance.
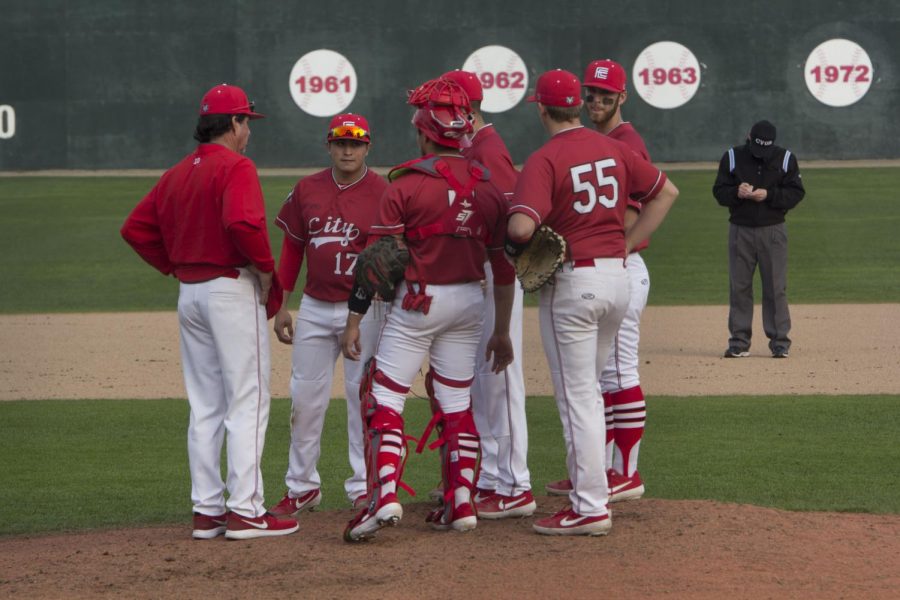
(831, 73)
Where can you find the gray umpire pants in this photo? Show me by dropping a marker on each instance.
(747, 248)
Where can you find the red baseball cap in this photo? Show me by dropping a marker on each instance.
(349, 127)
(605, 74)
(557, 88)
(468, 81)
(227, 99)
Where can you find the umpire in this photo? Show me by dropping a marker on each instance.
(759, 182)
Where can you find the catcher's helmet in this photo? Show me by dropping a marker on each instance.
(443, 113)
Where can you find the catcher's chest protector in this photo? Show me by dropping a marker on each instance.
(460, 219)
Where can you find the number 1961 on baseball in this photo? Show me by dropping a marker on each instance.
(831, 73)
(316, 84)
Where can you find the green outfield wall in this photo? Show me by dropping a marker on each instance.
(108, 84)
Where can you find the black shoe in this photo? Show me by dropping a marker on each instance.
(735, 352)
(779, 352)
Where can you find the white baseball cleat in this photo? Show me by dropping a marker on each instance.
(366, 524)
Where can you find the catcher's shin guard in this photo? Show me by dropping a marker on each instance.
(460, 452)
(385, 454)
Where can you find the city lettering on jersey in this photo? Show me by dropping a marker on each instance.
(346, 232)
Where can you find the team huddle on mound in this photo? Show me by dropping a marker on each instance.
(420, 265)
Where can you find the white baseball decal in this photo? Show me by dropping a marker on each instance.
(503, 76)
(666, 75)
(323, 83)
(838, 72)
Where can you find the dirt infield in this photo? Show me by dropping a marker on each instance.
(671, 549)
(677, 549)
(838, 349)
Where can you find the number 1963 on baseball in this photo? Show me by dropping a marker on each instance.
(674, 76)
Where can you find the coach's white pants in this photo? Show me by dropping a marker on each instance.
(498, 404)
(621, 370)
(449, 334)
(316, 347)
(225, 355)
(579, 316)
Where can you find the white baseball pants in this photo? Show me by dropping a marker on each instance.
(316, 347)
(225, 356)
(448, 334)
(621, 370)
(579, 316)
(498, 405)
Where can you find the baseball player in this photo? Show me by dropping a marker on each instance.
(446, 212)
(326, 217)
(578, 184)
(625, 408)
(204, 222)
(498, 399)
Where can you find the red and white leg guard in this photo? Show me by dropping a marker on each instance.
(629, 415)
(385, 455)
(460, 449)
(459, 464)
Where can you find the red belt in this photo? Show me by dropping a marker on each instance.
(583, 262)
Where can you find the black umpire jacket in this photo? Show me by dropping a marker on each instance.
(779, 175)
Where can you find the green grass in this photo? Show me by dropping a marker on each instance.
(61, 252)
(842, 241)
(84, 464)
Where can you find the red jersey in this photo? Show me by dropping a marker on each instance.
(417, 199)
(204, 218)
(578, 183)
(330, 223)
(488, 149)
(626, 133)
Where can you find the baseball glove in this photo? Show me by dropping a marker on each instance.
(380, 266)
(540, 259)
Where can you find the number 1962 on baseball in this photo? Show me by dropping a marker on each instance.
(502, 80)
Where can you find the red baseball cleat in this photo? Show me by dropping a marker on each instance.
(624, 488)
(504, 507)
(457, 518)
(245, 528)
(569, 522)
(207, 527)
(291, 506)
(559, 488)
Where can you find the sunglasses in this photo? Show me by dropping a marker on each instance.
(349, 131)
(604, 100)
